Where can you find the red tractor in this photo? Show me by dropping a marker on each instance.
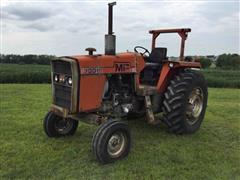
(106, 89)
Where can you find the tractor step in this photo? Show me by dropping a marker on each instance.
(149, 111)
(146, 90)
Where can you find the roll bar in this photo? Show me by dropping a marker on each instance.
(182, 32)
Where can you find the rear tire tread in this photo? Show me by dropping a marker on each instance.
(175, 97)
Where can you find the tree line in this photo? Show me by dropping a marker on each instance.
(224, 61)
(26, 59)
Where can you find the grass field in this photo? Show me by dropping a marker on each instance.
(33, 73)
(27, 153)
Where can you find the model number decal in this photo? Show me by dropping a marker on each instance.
(118, 67)
(96, 70)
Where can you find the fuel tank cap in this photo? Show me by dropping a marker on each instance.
(90, 50)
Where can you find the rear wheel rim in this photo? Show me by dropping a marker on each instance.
(194, 106)
(116, 144)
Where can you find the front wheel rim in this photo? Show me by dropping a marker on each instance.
(195, 105)
(63, 126)
(116, 144)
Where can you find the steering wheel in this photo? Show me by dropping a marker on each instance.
(142, 53)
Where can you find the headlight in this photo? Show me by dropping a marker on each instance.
(69, 81)
(56, 78)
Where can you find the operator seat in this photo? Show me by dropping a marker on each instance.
(153, 66)
(157, 55)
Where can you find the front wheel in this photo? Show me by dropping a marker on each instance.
(111, 141)
(56, 126)
(185, 102)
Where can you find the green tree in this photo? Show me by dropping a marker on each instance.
(228, 61)
(205, 62)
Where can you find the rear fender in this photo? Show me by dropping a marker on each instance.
(171, 68)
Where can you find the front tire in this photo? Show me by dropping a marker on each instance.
(111, 141)
(56, 126)
(185, 102)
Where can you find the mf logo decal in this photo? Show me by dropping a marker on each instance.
(91, 70)
(122, 67)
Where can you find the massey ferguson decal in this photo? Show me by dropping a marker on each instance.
(119, 67)
(124, 67)
(91, 70)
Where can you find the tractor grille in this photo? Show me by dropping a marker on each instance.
(62, 67)
(63, 96)
(61, 89)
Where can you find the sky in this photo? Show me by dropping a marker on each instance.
(67, 27)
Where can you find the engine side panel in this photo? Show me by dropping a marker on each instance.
(91, 92)
(93, 72)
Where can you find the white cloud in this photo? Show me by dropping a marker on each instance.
(68, 28)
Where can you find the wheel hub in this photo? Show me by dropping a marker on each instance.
(195, 105)
(116, 144)
(63, 126)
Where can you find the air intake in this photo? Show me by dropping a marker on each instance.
(110, 39)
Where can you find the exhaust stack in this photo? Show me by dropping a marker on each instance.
(110, 39)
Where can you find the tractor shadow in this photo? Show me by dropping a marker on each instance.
(148, 142)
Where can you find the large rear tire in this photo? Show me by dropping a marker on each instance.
(185, 102)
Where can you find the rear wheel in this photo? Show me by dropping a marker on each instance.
(56, 126)
(185, 102)
(111, 141)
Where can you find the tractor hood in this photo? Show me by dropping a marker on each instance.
(102, 64)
